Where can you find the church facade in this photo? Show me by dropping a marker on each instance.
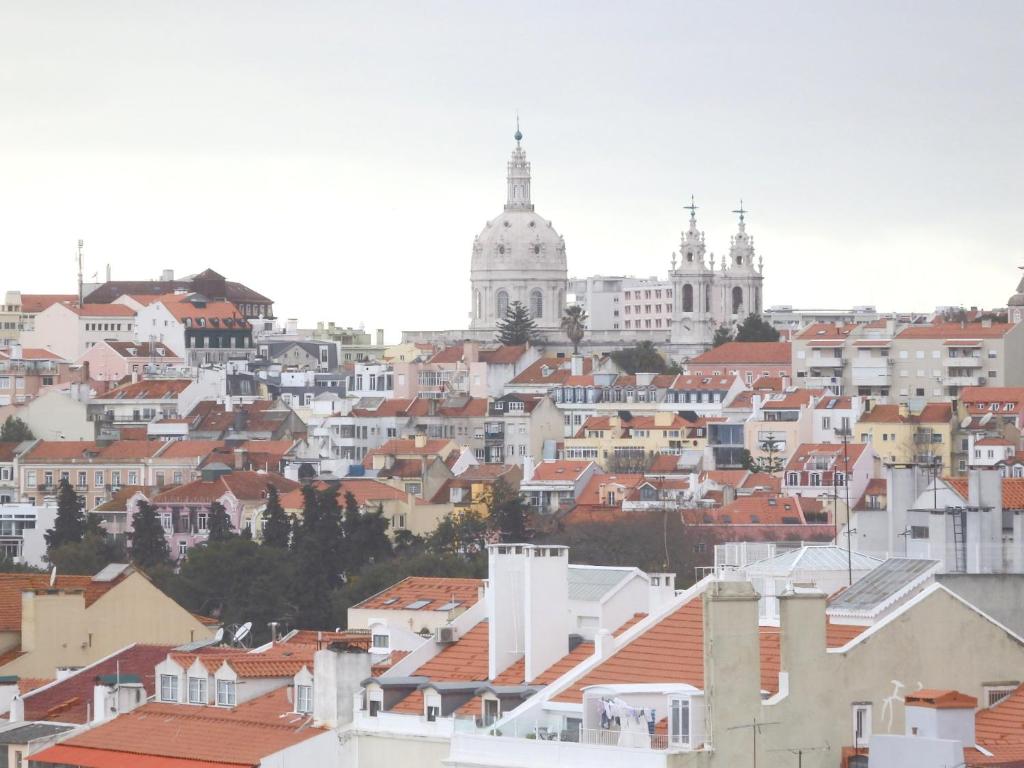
(519, 257)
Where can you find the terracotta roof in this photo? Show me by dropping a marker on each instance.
(366, 490)
(805, 450)
(33, 303)
(252, 666)
(13, 584)
(148, 389)
(635, 422)
(70, 700)
(790, 400)
(940, 699)
(1002, 441)
(751, 510)
(1000, 728)
(8, 451)
(130, 349)
(102, 310)
(472, 408)
(181, 306)
(129, 449)
(591, 493)
(191, 449)
(739, 352)
(435, 589)
(1013, 490)
(243, 735)
(969, 396)
(557, 370)
(561, 470)
(503, 355)
(32, 354)
(465, 659)
(942, 330)
(246, 486)
(702, 383)
(83, 757)
(932, 413)
(399, 446)
(485, 472)
(816, 331)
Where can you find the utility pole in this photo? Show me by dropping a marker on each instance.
(81, 297)
(755, 728)
(844, 432)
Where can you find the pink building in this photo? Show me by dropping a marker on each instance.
(116, 360)
(27, 373)
(463, 369)
(750, 360)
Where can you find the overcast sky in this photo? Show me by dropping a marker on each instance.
(340, 157)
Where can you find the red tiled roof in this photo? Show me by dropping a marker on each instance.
(1013, 490)
(503, 355)
(191, 449)
(702, 383)
(243, 735)
(1000, 728)
(13, 584)
(932, 413)
(751, 510)
(790, 400)
(591, 493)
(562, 470)
(246, 486)
(438, 590)
(83, 757)
(34, 303)
(8, 451)
(399, 446)
(32, 354)
(148, 389)
(635, 422)
(130, 349)
(366, 490)
(754, 352)
(70, 700)
(825, 331)
(805, 450)
(181, 307)
(943, 330)
(102, 310)
(558, 371)
(462, 660)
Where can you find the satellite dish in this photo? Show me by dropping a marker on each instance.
(219, 636)
(966, 422)
(985, 419)
(53, 576)
(242, 632)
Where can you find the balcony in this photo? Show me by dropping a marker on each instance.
(962, 362)
(821, 361)
(833, 384)
(963, 381)
(590, 750)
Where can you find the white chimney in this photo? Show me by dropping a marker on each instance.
(292, 326)
(527, 469)
(604, 644)
(941, 715)
(17, 712)
(576, 365)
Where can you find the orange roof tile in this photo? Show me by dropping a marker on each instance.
(1013, 490)
(13, 584)
(85, 757)
(552, 371)
(34, 303)
(436, 589)
(562, 470)
(191, 449)
(148, 389)
(943, 330)
(465, 659)
(754, 352)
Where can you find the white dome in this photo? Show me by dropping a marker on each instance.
(519, 240)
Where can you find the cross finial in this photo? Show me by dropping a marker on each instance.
(741, 210)
(692, 208)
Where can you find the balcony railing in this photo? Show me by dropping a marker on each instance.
(962, 362)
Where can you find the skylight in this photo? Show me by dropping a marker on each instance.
(415, 605)
(451, 605)
(390, 601)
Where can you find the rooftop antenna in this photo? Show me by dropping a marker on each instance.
(755, 728)
(798, 751)
(81, 298)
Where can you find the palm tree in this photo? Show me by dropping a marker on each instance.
(574, 323)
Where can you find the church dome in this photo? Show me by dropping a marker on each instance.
(519, 240)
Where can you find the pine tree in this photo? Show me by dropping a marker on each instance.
(149, 544)
(69, 525)
(277, 526)
(754, 328)
(772, 462)
(517, 327)
(219, 525)
(723, 335)
(14, 430)
(317, 548)
(366, 538)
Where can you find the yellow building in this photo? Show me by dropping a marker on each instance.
(472, 489)
(627, 442)
(901, 436)
(80, 619)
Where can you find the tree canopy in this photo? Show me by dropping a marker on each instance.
(14, 430)
(643, 358)
(574, 325)
(219, 523)
(277, 526)
(517, 326)
(149, 544)
(755, 328)
(69, 524)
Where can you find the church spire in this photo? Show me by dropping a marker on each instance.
(741, 246)
(518, 176)
(691, 245)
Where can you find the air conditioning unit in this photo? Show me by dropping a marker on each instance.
(444, 635)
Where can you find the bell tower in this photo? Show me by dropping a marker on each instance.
(692, 285)
(741, 280)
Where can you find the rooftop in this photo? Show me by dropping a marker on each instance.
(739, 352)
(426, 593)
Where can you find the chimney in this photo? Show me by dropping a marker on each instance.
(986, 521)
(527, 469)
(732, 667)
(802, 641)
(380, 337)
(576, 365)
(528, 607)
(17, 710)
(947, 715)
(292, 326)
(420, 440)
(604, 644)
(108, 273)
(337, 679)
(239, 454)
(166, 276)
(728, 494)
(470, 352)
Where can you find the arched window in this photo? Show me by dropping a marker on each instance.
(502, 303)
(687, 298)
(536, 304)
(737, 300)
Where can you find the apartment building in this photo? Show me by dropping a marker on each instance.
(116, 360)
(518, 426)
(780, 422)
(825, 470)
(28, 373)
(69, 330)
(629, 443)
(200, 329)
(746, 359)
(136, 405)
(901, 435)
(19, 310)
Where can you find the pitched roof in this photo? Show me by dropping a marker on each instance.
(560, 470)
(805, 450)
(215, 312)
(13, 584)
(551, 371)
(932, 413)
(1013, 490)
(739, 352)
(242, 735)
(465, 659)
(702, 383)
(757, 509)
(817, 331)
(148, 389)
(245, 485)
(8, 451)
(33, 303)
(884, 584)
(101, 310)
(70, 700)
(131, 349)
(436, 590)
(366, 490)
(999, 728)
(191, 449)
(942, 330)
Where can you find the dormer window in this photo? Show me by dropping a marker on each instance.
(226, 693)
(168, 687)
(304, 699)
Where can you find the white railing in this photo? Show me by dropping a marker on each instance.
(627, 739)
(547, 753)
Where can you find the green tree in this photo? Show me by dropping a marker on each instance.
(517, 327)
(317, 550)
(408, 544)
(14, 430)
(643, 358)
(88, 556)
(277, 526)
(149, 544)
(463, 533)
(755, 328)
(366, 538)
(69, 525)
(508, 516)
(723, 335)
(237, 580)
(219, 524)
(574, 325)
(771, 462)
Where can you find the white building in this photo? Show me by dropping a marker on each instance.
(23, 530)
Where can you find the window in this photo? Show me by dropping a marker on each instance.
(826, 422)
(996, 693)
(304, 699)
(919, 531)
(861, 724)
(502, 303)
(225, 693)
(492, 711)
(168, 687)
(679, 721)
(380, 641)
(182, 548)
(433, 713)
(536, 304)
(197, 690)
